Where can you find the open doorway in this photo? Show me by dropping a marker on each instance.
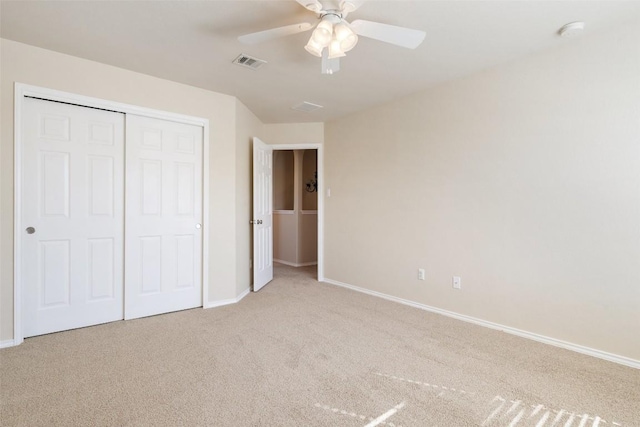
(295, 208)
(304, 212)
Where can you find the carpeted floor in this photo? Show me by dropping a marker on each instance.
(302, 353)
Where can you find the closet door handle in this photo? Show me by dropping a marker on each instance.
(30, 230)
(198, 226)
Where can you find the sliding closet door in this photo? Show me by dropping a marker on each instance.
(72, 196)
(163, 218)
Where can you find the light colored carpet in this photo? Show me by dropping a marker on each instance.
(302, 353)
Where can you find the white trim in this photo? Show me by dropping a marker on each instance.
(622, 360)
(309, 212)
(18, 336)
(87, 101)
(283, 212)
(229, 301)
(20, 91)
(7, 343)
(321, 195)
(205, 212)
(294, 264)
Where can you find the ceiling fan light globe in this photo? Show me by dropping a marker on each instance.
(313, 48)
(322, 34)
(335, 51)
(349, 43)
(345, 35)
(342, 31)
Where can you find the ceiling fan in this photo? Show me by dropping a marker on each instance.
(333, 36)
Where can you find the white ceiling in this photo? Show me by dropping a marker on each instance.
(194, 42)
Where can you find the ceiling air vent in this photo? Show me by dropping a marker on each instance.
(249, 62)
(306, 107)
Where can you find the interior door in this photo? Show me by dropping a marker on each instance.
(262, 214)
(163, 213)
(72, 213)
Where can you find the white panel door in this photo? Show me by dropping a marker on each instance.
(72, 216)
(163, 238)
(262, 214)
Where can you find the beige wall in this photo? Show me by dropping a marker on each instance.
(285, 224)
(309, 168)
(285, 237)
(31, 65)
(293, 133)
(283, 180)
(307, 221)
(308, 237)
(524, 180)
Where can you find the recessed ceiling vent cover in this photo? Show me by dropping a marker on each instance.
(306, 107)
(249, 62)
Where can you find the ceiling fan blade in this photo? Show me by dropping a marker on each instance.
(312, 5)
(274, 33)
(348, 6)
(399, 36)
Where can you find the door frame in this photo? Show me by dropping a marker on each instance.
(321, 195)
(21, 91)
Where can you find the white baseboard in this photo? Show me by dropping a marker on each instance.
(7, 343)
(220, 303)
(293, 264)
(622, 360)
(243, 294)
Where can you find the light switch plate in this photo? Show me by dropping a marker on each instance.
(457, 282)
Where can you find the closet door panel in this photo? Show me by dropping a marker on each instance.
(72, 210)
(163, 242)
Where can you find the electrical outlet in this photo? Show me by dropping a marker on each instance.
(421, 274)
(457, 282)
